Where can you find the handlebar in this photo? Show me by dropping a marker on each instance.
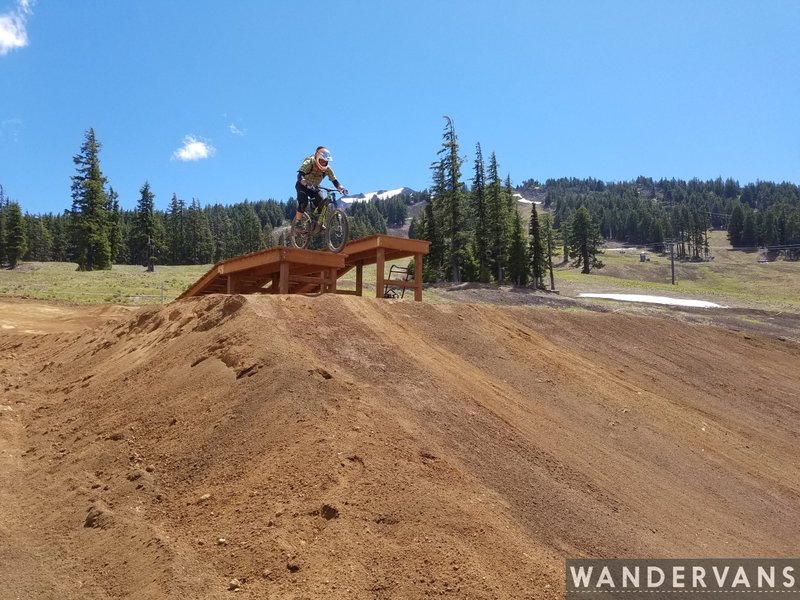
(330, 197)
(331, 193)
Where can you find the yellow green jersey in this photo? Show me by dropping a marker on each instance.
(314, 176)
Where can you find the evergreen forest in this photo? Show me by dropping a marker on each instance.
(470, 214)
(473, 219)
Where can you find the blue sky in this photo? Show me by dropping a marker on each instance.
(221, 101)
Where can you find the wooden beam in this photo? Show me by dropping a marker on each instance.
(318, 279)
(283, 281)
(379, 273)
(271, 256)
(250, 261)
(403, 283)
(389, 242)
(359, 279)
(305, 288)
(331, 280)
(201, 283)
(418, 277)
(313, 258)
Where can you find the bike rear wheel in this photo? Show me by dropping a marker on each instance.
(336, 235)
(301, 232)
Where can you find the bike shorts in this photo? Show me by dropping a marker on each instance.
(304, 194)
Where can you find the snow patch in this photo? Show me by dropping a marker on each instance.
(654, 300)
(522, 200)
(379, 195)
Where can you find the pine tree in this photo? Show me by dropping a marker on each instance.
(537, 248)
(768, 232)
(584, 241)
(3, 216)
(547, 235)
(479, 209)
(115, 238)
(176, 231)
(144, 228)
(792, 232)
(452, 199)
(736, 224)
(199, 240)
(269, 236)
(511, 200)
(413, 229)
(222, 233)
(749, 231)
(518, 259)
(497, 220)
(16, 238)
(251, 236)
(89, 213)
(366, 219)
(428, 230)
(432, 226)
(283, 239)
(61, 238)
(39, 239)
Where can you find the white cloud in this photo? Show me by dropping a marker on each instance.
(13, 33)
(235, 130)
(193, 149)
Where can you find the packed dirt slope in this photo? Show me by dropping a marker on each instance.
(342, 447)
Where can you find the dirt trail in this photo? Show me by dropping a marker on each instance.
(22, 316)
(345, 447)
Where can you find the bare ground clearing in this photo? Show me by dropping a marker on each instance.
(345, 447)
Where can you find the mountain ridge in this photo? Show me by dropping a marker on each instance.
(377, 195)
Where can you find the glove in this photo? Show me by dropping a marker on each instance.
(343, 191)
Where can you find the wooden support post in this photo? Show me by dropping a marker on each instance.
(359, 279)
(332, 280)
(276, 279)
(379, 273)
(231, 288)
(283, 285)
(418, 277)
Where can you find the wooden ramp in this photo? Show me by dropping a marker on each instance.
(377, 250)
(273, 271)
(291, 271)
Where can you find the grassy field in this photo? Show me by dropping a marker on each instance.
(123, 284)
(731, 277)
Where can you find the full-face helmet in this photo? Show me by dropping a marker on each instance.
(322, 157)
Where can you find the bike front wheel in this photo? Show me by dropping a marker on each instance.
(301, 232)
(336, 235)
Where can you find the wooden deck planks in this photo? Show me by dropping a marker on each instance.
(291, 270)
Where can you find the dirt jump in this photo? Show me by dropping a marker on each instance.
(344, 447)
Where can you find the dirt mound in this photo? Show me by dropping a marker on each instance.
(343, 447)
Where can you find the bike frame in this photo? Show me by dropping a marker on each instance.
(312, 223)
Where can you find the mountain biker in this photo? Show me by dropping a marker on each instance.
(310, 175)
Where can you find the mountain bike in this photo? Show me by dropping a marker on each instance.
(328, 220)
